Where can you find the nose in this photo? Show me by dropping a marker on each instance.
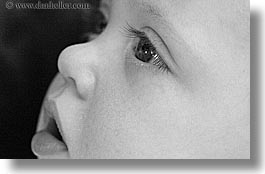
(76, 67)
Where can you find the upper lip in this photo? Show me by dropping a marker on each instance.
(50, 110)
(49, 106)
(49, 103)
(49, 137)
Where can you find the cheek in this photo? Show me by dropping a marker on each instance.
(142, 113)
(143, 118)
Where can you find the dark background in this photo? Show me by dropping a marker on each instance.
(30, 42)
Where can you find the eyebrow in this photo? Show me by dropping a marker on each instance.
(154, 11)
(151, 9)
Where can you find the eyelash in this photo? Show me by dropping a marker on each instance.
(132, 32)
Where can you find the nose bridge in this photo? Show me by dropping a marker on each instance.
(77, 62)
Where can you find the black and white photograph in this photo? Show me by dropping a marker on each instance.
(125, 79)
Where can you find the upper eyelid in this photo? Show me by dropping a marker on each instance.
(157, 42)
(132, 32)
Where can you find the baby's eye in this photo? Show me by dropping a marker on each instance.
(144, 51)
(147, 53)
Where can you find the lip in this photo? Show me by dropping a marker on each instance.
(48, 141)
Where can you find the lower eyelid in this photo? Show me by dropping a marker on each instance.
(141, 66)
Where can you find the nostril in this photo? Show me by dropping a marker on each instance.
(84, 84)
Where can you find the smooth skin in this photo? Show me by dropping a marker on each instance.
(113, 106)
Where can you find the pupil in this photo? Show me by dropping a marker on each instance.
(144, 50)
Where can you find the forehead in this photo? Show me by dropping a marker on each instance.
(157, 7)
(175, 7)
(200, 12)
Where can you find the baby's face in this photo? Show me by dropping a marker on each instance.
(166, 79)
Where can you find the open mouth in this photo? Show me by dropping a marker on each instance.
(48, 141)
